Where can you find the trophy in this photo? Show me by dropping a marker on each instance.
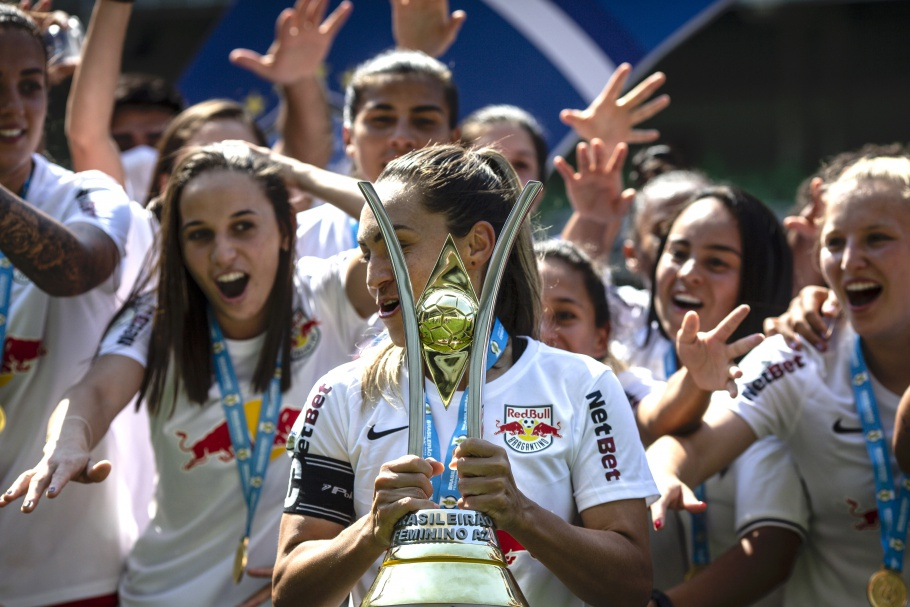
(446, 557)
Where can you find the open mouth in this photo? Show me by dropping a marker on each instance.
(232, 284)
(11, 134)
(686, 302)
(862, 293)
(388, 308)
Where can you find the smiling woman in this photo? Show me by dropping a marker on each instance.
(63, 239)
(222, 341)
(830, 408)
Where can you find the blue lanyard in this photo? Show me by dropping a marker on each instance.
(701, 555)
(893, 514)
(252, 462)
(448, 481)
(6, 289)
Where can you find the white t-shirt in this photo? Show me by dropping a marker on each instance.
(325, 230)
(344, 443)
(186, 555)
(806, 399)
(760, 488)
(49, 344)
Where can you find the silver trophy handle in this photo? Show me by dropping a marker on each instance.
(483, 321)
(408, 316)
(477, 373)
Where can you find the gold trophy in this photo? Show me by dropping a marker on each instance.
(446, 557)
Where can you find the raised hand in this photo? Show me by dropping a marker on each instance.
(425, 25)
(595, 190)
(613, 118)
(709, 359)
(303, 38)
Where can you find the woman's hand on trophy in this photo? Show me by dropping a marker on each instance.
(403, 486)
(486, 482)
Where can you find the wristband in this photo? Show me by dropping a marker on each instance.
(661, 599)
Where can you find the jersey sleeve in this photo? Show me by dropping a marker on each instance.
(325, 279)
(321, 482)
(610, 462)
(772, 388)
(131, 334)
(102, 203)
(769, 491)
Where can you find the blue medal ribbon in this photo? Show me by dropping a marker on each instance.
(252, 462)
(448, 481)
(701, 554)
(893, 506)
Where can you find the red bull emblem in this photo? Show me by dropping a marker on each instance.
(217, 444)
(509, 545)
(867, 520)
(305, 335)
(528, 429)
(19, 356)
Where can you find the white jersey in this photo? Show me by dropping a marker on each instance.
(628, 316)
(806, 399)
(185, 557)
(760, 488)
(325, 230)
(548, 411)
(49, 344)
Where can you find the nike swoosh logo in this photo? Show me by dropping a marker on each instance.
(839, 428)
(373, 434)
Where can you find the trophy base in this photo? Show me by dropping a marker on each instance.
(444, 558)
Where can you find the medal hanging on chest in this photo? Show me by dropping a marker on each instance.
(252, 462)
(6, 289)
(886, 587)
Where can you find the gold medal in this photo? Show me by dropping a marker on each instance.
(887, 589)
(240, 559)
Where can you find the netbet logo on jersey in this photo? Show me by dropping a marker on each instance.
(528, 429)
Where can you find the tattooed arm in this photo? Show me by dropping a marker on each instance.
(62, 261)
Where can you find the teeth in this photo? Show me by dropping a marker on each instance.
(861, 285)
(11, 132)
(230, 277)
(687, 299)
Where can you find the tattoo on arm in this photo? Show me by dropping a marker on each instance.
(59, 260)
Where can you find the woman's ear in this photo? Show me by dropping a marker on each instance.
(479, 244)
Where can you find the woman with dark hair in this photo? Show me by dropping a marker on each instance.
(575, 528)
(395, 102)
(222, 353)
(833, 409)
(515, 133)
(728, 249)
(64, 242)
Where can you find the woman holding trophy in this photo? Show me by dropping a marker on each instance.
(559, 469)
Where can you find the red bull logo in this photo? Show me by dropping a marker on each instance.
(305, 335)
(509, 545)
(217, 443)
(867, 520)
(19, 356)
(528, 429)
